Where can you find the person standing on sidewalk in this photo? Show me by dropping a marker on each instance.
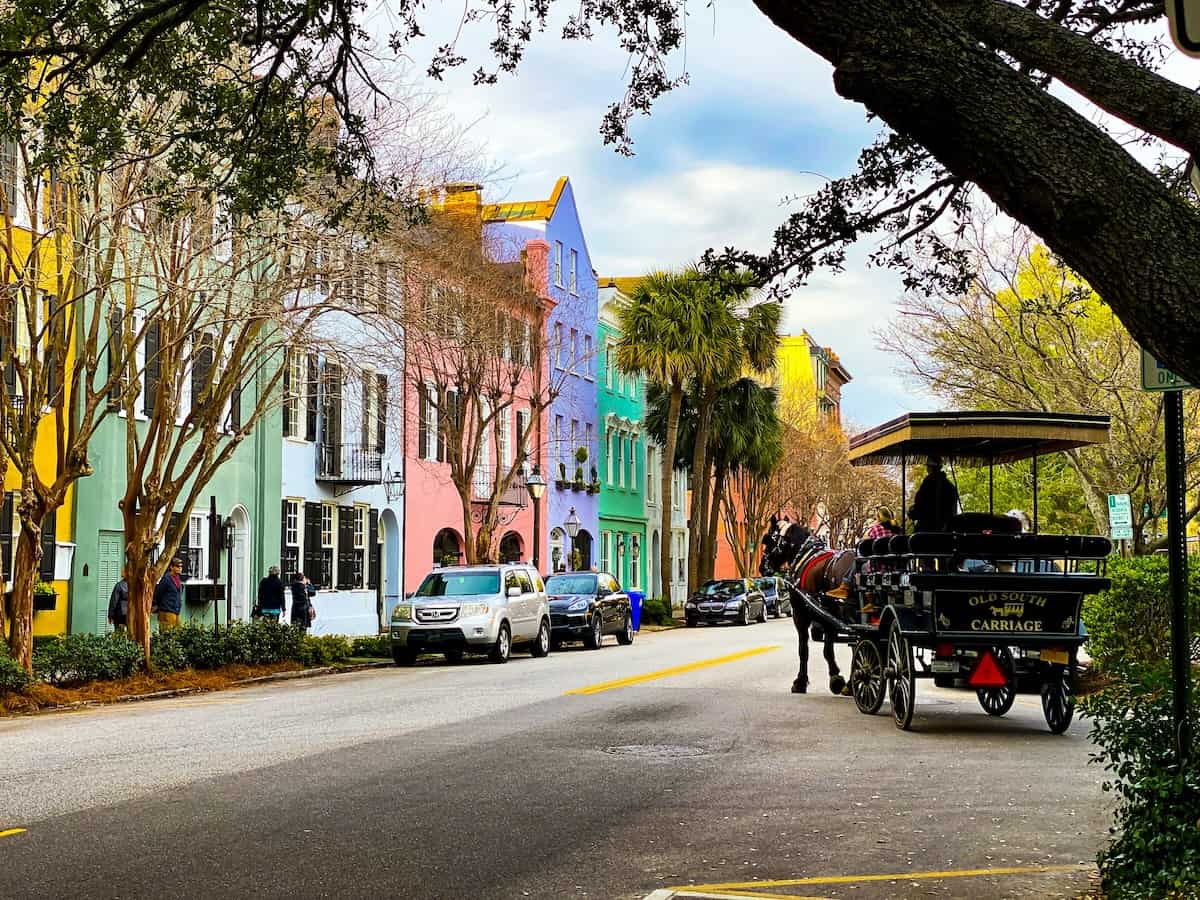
(168, 596)
(302, 608)
(271, 599)
(118, 604)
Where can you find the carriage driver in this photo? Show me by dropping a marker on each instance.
(936, 501)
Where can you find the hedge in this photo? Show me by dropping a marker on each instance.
(1131, 622)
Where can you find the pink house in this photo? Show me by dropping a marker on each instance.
(435, 527)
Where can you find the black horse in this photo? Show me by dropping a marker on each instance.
(782, 547)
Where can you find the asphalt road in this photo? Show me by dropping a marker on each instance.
(476, 780)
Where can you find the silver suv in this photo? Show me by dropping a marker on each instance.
(473, 609)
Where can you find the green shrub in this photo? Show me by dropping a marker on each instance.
(13, 678)
(656, 611)
(166, 652)
(76, 658)
(377, 645)
(1155, 850)
(201, 646)
(1130, 623)
(324, 650)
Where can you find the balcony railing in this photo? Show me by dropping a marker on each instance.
(350, 463)
(485, 477)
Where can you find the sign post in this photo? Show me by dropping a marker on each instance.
(1156, 378)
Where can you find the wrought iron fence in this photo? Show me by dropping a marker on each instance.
(351, 463)
(516, 494)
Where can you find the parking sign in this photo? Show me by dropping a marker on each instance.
(1120, 517)
(1156, 377)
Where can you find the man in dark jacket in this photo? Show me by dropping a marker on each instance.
(168, 596)
(271, 595)
(118, 604)
(302, 611)
(936, 502)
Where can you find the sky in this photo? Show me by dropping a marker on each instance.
(716, 164)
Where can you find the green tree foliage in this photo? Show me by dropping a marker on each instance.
(1061, 509)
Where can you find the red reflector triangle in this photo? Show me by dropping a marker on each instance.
(987, 673)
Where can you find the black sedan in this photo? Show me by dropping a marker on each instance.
(585, 606)
(726, 600)
(777, 595)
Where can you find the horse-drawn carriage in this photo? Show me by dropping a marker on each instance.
(970, 601)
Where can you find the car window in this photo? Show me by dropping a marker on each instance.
(536, 579)
(571, 584)
(526, 582)
(511, 581)
(459, 584)
(725, 586)
(767, 586)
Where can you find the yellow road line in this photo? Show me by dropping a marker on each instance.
(11, 832)
(675, 670)
(747, 895)
(897, 876)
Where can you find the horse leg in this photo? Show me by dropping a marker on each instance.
(837, 684)
(801, 621)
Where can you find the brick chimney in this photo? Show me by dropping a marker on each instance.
(537, 266)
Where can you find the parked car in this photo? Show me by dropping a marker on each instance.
(726, 600)
(473, 609)
(585, 606)
(775, 592)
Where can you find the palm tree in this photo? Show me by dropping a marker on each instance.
(659, 324)
(735, 338)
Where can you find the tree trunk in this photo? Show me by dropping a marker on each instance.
(699, 534)
(470, 549)
(1043, 163)
(709, 567)
(139, 575)
(26, 562)
(668, 467)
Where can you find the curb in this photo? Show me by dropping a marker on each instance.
(313, 673)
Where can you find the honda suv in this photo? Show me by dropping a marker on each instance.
(473, 609)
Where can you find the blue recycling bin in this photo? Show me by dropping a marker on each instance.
(636, 599)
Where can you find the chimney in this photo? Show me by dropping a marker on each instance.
(537, 266)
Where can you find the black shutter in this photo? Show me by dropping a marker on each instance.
(184, 542)
(450, 409)
(6, 535)
(202, 365)
(422, 421)
(287, 393)
(312, 543)
(310, 401)
(235, 407)
(373, 551)
(115, 356)
(366, 407)
(49, 526)
(153, 368)
(283, 544)
(345, 548)
(381, 413)
(331, 435)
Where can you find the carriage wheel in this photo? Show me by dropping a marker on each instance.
(1058, 697)
(902, 677)
(866, 677)
(997, 701)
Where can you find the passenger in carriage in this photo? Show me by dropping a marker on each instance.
(936, 500)
(885, 524)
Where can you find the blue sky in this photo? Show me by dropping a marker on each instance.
(758, 123)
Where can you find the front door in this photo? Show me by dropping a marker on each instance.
(240, 589)
(108, 573)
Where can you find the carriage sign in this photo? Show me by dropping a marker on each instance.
(1120, 517)
(1156, 377)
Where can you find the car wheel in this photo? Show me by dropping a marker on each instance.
(453, 656)
(625, 635)
(744, 614)
(404, 656)
(595, 635)
(503, 646)
(689, 621)
(762, 614)
(541, 643)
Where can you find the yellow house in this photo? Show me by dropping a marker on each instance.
(53, 279)
(809, 379)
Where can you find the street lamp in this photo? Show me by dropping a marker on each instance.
(572, 526)
(536, 485)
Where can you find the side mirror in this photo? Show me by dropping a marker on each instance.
(513, 592)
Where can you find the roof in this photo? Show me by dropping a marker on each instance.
(976, 438)
(626, 284)
(525, 210)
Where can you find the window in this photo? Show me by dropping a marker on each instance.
(10, 181)
(573, 359)
(574, 268)
(557, 538)
(293, 387)
(327, 525)
(360, 545)
(620, 459)
(526, 344)
(620, 382)
(587, 357)
(427, 426)
(291, 530)
(587, 442)
(560, 347)
(604, 554)
(522, 433)
(196, 564)
(635, 560)
(485, 465)
(506, 439)
(633, 479)
(651, 475)
(574, 440)
(558, 263)
(608, 456)
(610, 358)
(558, 440)
(525, 581)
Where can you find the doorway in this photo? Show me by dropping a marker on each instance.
(239, 589)
(583, 546)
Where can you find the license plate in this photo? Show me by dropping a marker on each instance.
(943, 666)
(1055, 655)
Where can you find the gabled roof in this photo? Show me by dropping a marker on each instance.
(525, 210)
(623, 283)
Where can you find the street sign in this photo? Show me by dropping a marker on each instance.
(1155, 377)
(1184, 17)
(1120, 517)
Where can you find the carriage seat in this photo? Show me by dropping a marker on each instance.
(1087, 546)
(976, 523)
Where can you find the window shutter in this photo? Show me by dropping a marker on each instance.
(153, 368)
(115, 354)
(177, 521)
(235, 407)
(287, 392)
(345, 548)
(332, 436)
(366, 408)
(310, 404)
(380, 413)
(373, 551)
(312, 543)
(6, 535)
(422, 422)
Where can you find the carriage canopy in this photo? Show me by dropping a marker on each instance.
(976, 438)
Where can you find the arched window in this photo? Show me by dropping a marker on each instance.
(510, 547)
(558, 559)
(447, 548)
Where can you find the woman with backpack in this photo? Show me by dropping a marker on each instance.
(303, 611)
